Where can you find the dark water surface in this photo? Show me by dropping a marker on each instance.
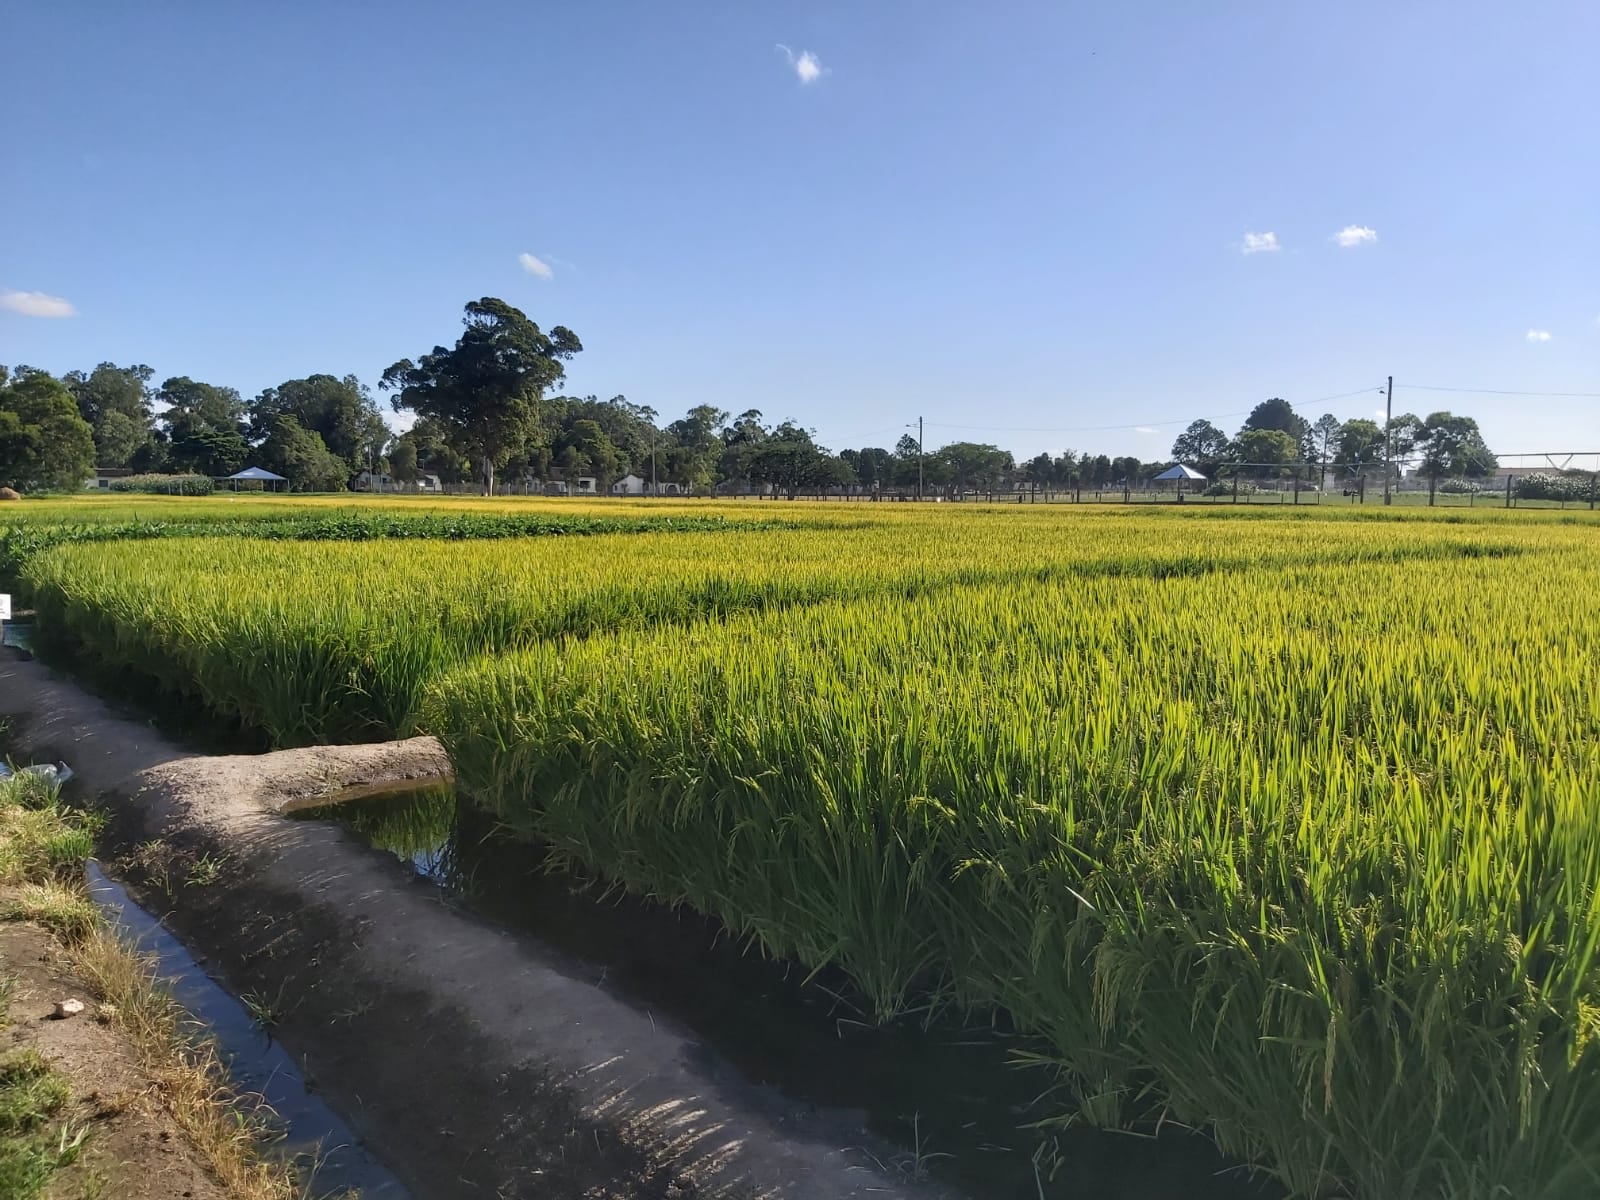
(948, 1097)
(256, 1061)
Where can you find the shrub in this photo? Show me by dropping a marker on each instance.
(1224, 487)
(169, 485)
(1552, 486)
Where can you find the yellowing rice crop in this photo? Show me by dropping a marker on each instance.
(1286, 828)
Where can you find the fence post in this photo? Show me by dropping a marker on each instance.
(1508, 489)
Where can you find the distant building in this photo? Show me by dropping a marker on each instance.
(635, 485)
(103, 476)
(579, 485)
(366, 481)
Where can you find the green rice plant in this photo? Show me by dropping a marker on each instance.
(333, 640)
(1306, 855)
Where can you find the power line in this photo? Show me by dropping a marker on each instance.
(1243, 412)
(1500, 391)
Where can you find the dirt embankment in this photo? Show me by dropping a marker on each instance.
(472, 1061)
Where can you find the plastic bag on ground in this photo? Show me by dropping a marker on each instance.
(56, 773)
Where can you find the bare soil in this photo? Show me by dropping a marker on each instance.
(135, 1150)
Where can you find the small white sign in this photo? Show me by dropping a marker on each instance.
(5, 607)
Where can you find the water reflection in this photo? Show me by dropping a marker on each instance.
(947, 1096)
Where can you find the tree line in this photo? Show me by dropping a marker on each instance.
(483, 411)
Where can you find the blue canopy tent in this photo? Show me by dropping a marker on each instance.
(255, 475)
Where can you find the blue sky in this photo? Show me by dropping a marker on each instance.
(1026, 223)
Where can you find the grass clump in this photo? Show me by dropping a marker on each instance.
(33, 1145)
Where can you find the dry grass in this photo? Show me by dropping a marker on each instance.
(42, 847)
(228, 1128)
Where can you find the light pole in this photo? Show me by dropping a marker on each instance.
(1388, 421)
(919, 457)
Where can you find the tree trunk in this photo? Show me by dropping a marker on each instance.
(488, 475)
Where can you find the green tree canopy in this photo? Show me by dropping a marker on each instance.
(205, 426)
(1276, 414)
(1322, 439)
(115, 401)
(1359, 448)
(301, 457)
(1266, 453)
(44, 442)
(434, 455)
(872, 466)
(1453, 447)
(1405, 438)
(484, 393)
(599, 454)
(976, 465)
(695, 450)
(339, 411)
(403, 461)
(1202, 445)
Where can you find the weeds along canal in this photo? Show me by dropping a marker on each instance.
(949, 1096)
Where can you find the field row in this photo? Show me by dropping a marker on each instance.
(335, 641)
(1308, 857)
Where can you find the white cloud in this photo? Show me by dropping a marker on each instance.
(535, 266)
(1145, 429)
(1355, 235)
(807, 67)
(1255, 243)
(1538, 335)
(37, 304)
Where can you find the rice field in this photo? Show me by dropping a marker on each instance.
(1284, 827)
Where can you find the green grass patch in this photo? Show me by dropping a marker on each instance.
(34, 1144)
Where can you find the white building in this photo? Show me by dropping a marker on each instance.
(635, 485)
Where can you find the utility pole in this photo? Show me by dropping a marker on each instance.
(1388, 420)
(654, 488)
(919, 458)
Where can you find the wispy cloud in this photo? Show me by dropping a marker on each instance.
(1256, 243)
(37, 304)
(807, 66)
(1538, 335)
(1145, 429)
(1355, 235)
(534, 265)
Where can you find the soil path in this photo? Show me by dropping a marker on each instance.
(472, 1061)
(135, 1150)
